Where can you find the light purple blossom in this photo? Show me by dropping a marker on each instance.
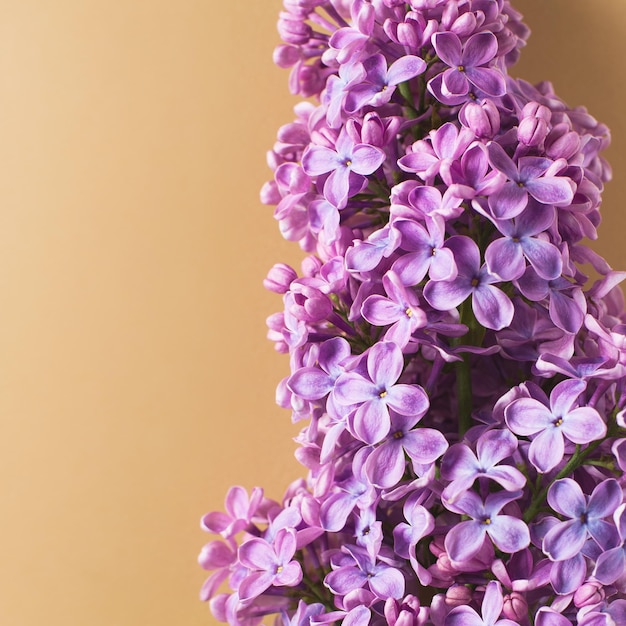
(553, 421)
(585, 517)
(491, 610)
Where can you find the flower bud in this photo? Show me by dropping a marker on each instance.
(515, 606)
(294, 31)
(532, 131)
(534, 109)
(286, 56)
(483, 119)
(458, 595)
(562, 143)
(279, 278)
(588, 594)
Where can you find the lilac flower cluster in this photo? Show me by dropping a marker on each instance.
(461, 376)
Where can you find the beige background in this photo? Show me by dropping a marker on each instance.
(136, 383)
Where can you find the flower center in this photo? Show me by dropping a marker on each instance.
(433, 252)
(347, 162)
(382, 394)
(558, 421)
(279, 569)
(398, 434)
(461, 68)
(409, 312)
(474, 282)
(583, 518)
(487, 521)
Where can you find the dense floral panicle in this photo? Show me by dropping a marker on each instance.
(460, 378)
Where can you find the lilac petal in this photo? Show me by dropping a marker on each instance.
(479, 49)
(603, 533)
(454, 83)
(564, 540)
(556, 191)
(549, 617)
(255, 584)
(545, 257)
(504, 258)
(337, 186)
(345, 579)
(464, 540)
(566, 576)
(358, 616)
(334, 512)
(463, 616)
(285, 544)
(458, 462)
(386, 464)
(492, 603)
(489, 80)
(508, 533)
(446, 295)
(492, 307)
(381, 311)
(424, 445)
(366, 159)
(583, 425)
(388, 582)
(501, 161)
(290, 575)
(385, 363)
(442, 265)
(509, 477)
(319, 160)
(405, 68)
(256, 553)
(565, 395)
(509, 201)
(527, 416)
(610, 565)
(371, 422)
(352, 388)
(407, 400)
(565, 312)
(448, 48)
(494, 446)
(310, 383)
(412, 267)
(546, 449)
(566, 497)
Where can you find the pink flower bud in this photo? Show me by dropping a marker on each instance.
(534, 109)
(515, 606)
(286, 56)
(279, 278)
(588, 594)
(532, 131)
(483, 119)
(458, 595)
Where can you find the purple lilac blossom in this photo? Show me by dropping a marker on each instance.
(459, 379)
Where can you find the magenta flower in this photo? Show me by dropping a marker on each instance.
(534, 176)
(270, 564)
(426, 251)
(465, 539)
(553, 421)
(377, 392)
(386, 464)
(467, 65)
(400, 310)
(461, 466)
(348, 164)
(585, 517)
(492, 307)
(383, 580)
(381, 81)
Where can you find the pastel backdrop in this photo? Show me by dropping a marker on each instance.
(136, 383)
